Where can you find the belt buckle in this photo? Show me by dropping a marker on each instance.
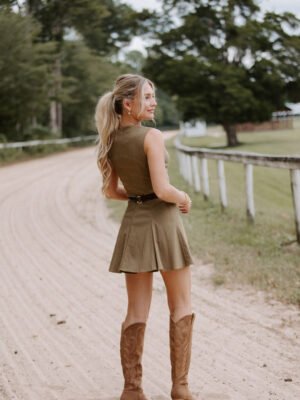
(139, 200)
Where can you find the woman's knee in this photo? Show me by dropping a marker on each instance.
(178, 288)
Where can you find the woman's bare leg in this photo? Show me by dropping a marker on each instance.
(178, 286)
(139, 293)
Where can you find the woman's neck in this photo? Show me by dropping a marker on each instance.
(129, 120)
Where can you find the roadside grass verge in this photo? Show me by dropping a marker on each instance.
(263, 254)
(11, 156)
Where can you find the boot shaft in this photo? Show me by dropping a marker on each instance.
(131, 352)
(180, 355)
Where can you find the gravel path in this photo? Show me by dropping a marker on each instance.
(60, 308)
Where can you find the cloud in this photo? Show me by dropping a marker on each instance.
(280, 6)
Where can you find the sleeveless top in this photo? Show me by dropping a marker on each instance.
(129, 160)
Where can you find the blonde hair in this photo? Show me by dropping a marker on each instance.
(108, 114)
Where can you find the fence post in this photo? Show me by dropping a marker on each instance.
(249, 192)
(222, 184)
(295, 183)
(184, 166)
(195, 164)
(179, 156)
(189, 169)
(204, 172)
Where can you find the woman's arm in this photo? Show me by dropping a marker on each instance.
(114, 191)
(154, 147)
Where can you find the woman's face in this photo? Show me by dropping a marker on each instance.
(148, 104)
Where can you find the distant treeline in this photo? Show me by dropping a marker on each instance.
(224, 61)
(57, 58)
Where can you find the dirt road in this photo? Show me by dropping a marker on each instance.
(60, 309)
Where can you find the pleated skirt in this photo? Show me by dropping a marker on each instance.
(151, 238)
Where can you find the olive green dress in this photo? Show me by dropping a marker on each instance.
(152, 235)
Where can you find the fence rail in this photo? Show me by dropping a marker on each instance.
(198, 176)
(31, 143)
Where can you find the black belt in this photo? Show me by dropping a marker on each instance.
(141, 198)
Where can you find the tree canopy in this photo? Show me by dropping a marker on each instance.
(57, 58)
(223, 61)
(226, 61)
(24, 70)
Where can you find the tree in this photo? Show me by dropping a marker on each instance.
(226, 61)
(135, 60)
(86, 75)
(24, 71)
(166, 113)
(105, 26)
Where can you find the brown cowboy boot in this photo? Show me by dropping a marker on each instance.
(131, 351)
(180, 352)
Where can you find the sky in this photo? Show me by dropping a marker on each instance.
(270, 5)
(266, 5)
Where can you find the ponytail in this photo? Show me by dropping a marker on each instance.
(107, 122)
(108, 116)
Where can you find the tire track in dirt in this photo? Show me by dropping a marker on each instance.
(31, 301)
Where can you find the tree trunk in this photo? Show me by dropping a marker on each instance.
(34, 121)
(55, 105)
(27, 7)
(53, 119)
(232, 139)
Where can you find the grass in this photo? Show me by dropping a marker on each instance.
(263, 254)
(11, 156)
(269, 142)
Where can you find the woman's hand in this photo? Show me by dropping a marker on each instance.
(186, 205)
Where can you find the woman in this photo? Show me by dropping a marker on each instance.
(151, 236)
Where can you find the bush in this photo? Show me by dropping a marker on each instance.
(2, 138)
(38, 132)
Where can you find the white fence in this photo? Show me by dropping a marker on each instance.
(197, 175)
(31, 143)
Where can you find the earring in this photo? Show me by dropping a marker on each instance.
(129, 113)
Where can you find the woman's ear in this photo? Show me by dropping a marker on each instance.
(127, 105)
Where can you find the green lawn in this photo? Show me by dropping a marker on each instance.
(262, 254)
(270, 142)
